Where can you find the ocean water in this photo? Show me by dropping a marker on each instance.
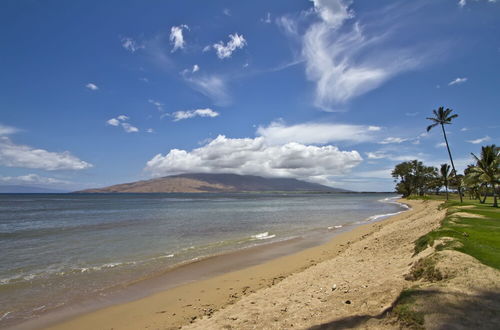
(57, 249)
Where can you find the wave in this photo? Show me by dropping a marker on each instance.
(334, 227)
(262, 236)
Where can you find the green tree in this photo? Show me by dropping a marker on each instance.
(414, 178)
(442, 117)
(445, 175)
(487, 168)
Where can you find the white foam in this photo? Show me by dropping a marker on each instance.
(263, 236)
(334, 227)
(4, 315)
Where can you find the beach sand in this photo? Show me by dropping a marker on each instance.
(360, 272)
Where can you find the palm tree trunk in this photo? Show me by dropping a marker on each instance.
(495, 203)
(446, 188)
(452, 165)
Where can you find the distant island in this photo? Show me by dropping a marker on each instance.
(206, 182)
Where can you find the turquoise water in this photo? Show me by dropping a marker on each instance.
(59, 248)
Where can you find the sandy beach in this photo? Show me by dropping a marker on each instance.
(360, 271)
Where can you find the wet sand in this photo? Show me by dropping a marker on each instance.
(214, 296)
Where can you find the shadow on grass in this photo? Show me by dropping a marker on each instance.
(449, 310)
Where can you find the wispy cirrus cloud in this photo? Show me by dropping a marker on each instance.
(131, 45)
(212, 86)
(34, 179)
(457, 81)
(345, 57)
(316, 133)
(187, 114)
(480, 140)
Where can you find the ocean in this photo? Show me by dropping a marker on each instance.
(59, 249)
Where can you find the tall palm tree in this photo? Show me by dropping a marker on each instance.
(442, 117)
(445, 175)
(487, 168)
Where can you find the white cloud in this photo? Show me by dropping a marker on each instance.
(121, 120)
(226, 12)
(131, 45)
(32, 179)
(206, 48)
(196, 68)
(376, 155)
(211, 86)
(150, 130)
(316, 133)
(256, 157)
(15, 155)
(129, 128)
(92, 86)
(480, 140)
(7, 130)
(158, 105)
(113, 122)
(333, 12)
(180, 115)
(464, 129)
(176, 37)
(342, 59)
(457, 81)
(440, 145)
(267, 18)
(235, 41)
(389, 140)
(462, 3)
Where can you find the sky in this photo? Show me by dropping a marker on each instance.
(95, 93)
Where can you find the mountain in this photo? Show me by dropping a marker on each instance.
(12, 189)
(204, 182)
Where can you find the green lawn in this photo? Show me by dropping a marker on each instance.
(476, 231)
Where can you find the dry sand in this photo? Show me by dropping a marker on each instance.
(349, 282)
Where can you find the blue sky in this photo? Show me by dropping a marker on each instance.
(96, 93)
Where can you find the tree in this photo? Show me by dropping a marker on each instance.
(414, 178)
(487, 168)
(442, 117)
(445, 175)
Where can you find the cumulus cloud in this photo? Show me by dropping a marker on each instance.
(196, 68)
(316, 133)
(131, 45)
(480, 140)
(235, 41)
(16, 155)
(121, 120)
(333, 12)
(389, 140)
(180, 115)
(457, 81)
(92, 86)
(256, 157)
(32, 179)
(176, 37)
(440, 145)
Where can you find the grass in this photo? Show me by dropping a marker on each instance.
(425, 268)
(478, 237)
(405, 312)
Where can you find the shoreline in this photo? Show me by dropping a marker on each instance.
(180, 305)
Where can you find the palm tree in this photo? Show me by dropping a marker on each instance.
(442, 117)
(487, 168)
(445, 175)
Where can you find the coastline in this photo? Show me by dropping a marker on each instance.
(181, 305)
